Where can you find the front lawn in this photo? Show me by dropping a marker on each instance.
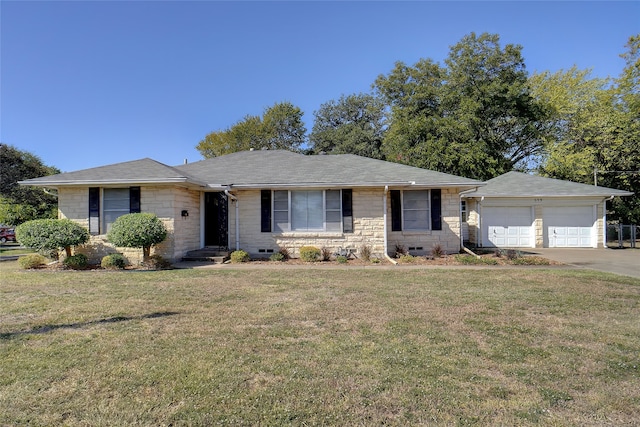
(353, 346)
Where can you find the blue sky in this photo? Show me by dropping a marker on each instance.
(90, 83)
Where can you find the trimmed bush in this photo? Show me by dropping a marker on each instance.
(45, 235)
(309, 253)
(342, 259)
(76, 262)
(138, 230)
(407, 259)
(277, 257)
(240, 256)
(114, 262)
(31, 261)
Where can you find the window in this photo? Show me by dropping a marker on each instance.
(416, 210)
(463, 210)
(115, 203)
(307, 210)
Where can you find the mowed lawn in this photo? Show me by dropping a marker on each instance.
(297, 346)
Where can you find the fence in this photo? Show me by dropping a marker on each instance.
(622, 236)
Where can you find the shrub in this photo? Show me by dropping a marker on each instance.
(278, 256)
(342, 259)
(365, 252)
(437, 251)
(472, 260)
(31, 261)
(530, 260)
(325, 253)
(240, 256)
(137, 230)
(400, 250)
(76, 262)
(407, 258)
(113, 262)
(309, 253)
(156, 262)
(285, 253)
(45, 235)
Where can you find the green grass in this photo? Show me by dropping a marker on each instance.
(370, 346)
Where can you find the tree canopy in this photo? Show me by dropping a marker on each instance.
(17, 203)
(354, 124)
(280, 127)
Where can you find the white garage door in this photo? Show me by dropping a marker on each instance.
(507, 227)
(570, 226)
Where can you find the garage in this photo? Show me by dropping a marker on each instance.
(569, 227)
(507, 227)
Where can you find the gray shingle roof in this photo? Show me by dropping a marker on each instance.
(133, 172)
(264, 168)
(516, 184)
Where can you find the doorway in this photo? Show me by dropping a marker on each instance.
(216, 220)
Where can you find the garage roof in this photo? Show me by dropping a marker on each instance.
(517, 184)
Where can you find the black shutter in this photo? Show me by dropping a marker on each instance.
(436, 209)
(94, 210)
(347, 211)
(396, 210)
(265, 211)
(134, 200)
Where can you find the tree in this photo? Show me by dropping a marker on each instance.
(137, 230)
(594, 127)
(51, 234)
(474, 117)
(19, 204)
(281, 127)
(354, 124)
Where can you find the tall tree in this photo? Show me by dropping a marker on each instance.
(19, 204)
(594, 128)
(474, 117)
(354, 124)
(281, 127)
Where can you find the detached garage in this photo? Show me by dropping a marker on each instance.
(517, 210)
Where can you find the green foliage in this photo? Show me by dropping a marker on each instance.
(475, 117)
(309, 253)
(76, 262)
(137, 230)
(113, 261)
(240, 256)
(354, 124)
(281, 127)
(472, 260)
(50, 234)
(407, 259)
(277, 257)
(342, 259)
(18, 203)
(31, 261)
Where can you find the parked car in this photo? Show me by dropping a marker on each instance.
(7, 235)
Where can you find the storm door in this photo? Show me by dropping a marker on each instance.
(216, 220)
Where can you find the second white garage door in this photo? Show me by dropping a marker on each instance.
(569, 226)
(507, 227)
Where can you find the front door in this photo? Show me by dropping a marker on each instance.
(216, 221)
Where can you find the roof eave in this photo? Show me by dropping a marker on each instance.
(89, 182)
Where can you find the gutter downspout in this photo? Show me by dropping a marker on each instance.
(237, 221)
(604, 221)
(384, 219)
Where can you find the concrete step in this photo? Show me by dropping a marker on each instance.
(207, 255)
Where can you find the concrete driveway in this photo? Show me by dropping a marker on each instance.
(618, 261)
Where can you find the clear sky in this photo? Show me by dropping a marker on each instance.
(90, 83)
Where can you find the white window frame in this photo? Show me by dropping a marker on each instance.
(405, 210)
(276, 225)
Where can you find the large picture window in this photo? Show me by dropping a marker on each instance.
(308, 210)
(108, 204)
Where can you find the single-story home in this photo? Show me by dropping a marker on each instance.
(266, 200)
(518, 210)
